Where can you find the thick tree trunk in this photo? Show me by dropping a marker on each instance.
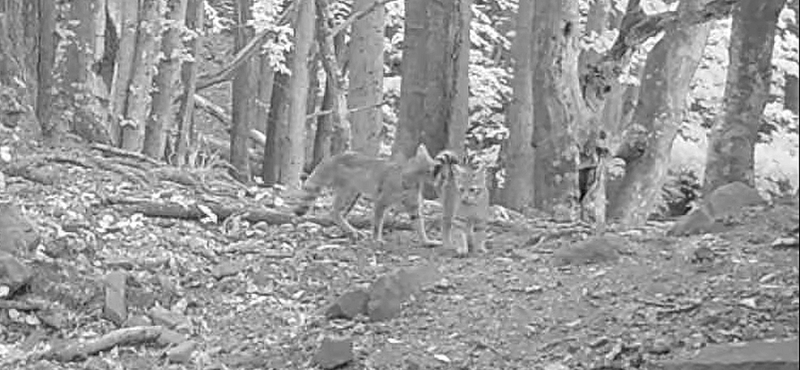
(195, 15)
(140, 83)
(244, 91)
(668, 72)
(559, 110)
(160, 119)
(518, 151)
(434, 91)
(732, 141)
(366, 78)
(291, 132)
(77, 107)
(125, 18)
(17, 78)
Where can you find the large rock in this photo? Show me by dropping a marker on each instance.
(725, 201)
(13, 275)
(333, 353)
(390, 291)
(777, 355)
(17, 234)
(597, 249)
(349, 305)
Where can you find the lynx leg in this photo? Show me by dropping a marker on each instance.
(479, 236)
(412, 206)
(377, 221)
(462, 243)
(341, 202)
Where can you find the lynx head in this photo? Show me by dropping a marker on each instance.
(471, 183)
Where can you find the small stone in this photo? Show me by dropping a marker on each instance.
(170, 337)
(596, 249)
(333, 353)
(182, 353)
(660, 347)
(786, 242)
(53, 319)
(116, 308)
(137, 320)
(349, 305)
(169, 319)
(225, 269)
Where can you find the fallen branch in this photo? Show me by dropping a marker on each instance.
(125, 153)
(121, 337)
(20, 306)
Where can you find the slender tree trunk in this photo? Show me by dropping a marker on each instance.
(668, 72)
(160, 119)
(366, 78)
(245, 84)
(46, 63)
(518, 151)
(314, 89)
(278, 114)
(342, 132)
(195, 16)
(266, 83)
(434, 91)
(732, 141)
(322, 136)
(291, 135)
(791, 97)
(125, 18)
(140, 83)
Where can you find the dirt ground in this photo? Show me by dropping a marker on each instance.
(254, 294)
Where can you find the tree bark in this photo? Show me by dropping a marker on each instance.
(668, 72)
(518, 151)
(141, 79)
(195, 16)
(46, 63)
(17, 79)
(791, 89)
(342, 132)
(732, 141)
(278, 114)
(291, 133)
(125, 18)
(160, 119)
(244, 90)
(434, 92)
(366, 78)
(559, 110)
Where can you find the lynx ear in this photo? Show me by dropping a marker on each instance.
(422, 151)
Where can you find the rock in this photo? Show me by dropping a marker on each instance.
(333, 353)
(703, 255)
(170, 337)
(13, 274)
(182, 353)
(349, 305)
(137, 320)
(725, 201)
(53, 319)
(785, 242)
(390, 291)
(225, 269)
(597, 249)
(116, 307)
(17, 234)
(169, 319)
(777, 355)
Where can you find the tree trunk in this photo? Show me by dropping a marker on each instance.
(559, 110)
(46, 63)
(17, 79)
(732, 141)
(77, 105)
(668, 72)
(322, 136)
(791, 89)
(278, 114)
(342, 133)
(124, 16)
(434, 92)
(266, 84)
(244, 90)
(366, 78)
(195, 16)
(290, 133)
(141, 79)
(518, 151)
(160, 119)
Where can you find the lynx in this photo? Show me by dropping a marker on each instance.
(465, 202)
(386, 181)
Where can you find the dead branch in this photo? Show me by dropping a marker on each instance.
(121, 337)
(20, 305)
(357, 15)
(107, 149)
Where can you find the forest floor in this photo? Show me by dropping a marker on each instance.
(252, 295)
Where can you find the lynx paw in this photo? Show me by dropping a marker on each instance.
(462, 251)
